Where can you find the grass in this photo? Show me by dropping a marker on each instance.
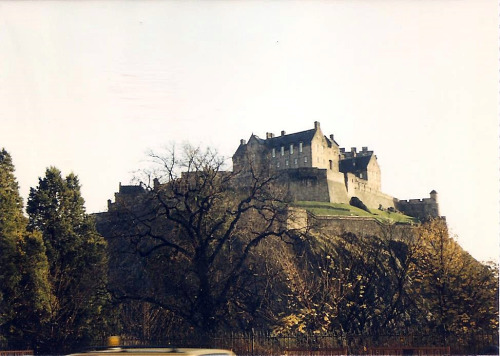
(339, 209)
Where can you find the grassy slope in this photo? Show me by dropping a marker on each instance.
(337, 209)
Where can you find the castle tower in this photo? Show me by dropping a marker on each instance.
(434, 198)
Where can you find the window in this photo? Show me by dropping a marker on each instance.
(274, 152)
(295, 161)
(282, 150)
(300, 147)
(278, 165)
(331, 164)
(291, 149)
(286, 162)
(305, 159)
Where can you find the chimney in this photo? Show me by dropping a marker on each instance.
(282, 133)
(316, 125)
(342, 150)
(353, 149)
(243, 142)
(365, 149)
(269, 135)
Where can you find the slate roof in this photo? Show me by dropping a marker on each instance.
(355, 164)
(131, 189)
(286, 140)
(241, 148)
(305, 137)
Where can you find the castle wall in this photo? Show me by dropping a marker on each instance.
(367, 192)
(373, 174)
(336, 187)
(336, 225)
(323, 156)
(374, 200)
(419, 208)
(290, 160)
(307, 184)
(314, 184)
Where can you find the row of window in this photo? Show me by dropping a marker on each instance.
(295, 162)
(291, 149)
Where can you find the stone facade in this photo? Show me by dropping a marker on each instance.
(313, 167)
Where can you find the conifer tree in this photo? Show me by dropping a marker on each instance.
(77, 261)
(24, 292)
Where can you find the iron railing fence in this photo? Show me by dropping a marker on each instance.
(261, 343)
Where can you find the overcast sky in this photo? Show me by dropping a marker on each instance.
(90, 86)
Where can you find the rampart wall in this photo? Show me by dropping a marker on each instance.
(367, 193)
(315, 184)
(337, 225)
(307, 184)
(359, 225)
(420, 208)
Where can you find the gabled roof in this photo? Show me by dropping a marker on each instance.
(305, 137)
(242, 147)
(355, 164)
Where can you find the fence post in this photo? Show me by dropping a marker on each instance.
(252, 341)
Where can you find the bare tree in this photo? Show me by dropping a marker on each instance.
(191, 234)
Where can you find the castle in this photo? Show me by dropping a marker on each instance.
(313, 167)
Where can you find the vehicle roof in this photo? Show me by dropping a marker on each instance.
(157, 351)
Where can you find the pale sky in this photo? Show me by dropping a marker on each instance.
(90, 86)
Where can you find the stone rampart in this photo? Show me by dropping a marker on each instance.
(419, 208)
(307, 184)
(374, 200)
(359, 225)
(299, 218)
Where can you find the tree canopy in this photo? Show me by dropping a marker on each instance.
(196, 232)
(24, 290)
(195, 249)
(77, 260)
(214, 250)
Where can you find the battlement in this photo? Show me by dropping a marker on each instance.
(354, 152)
(125, 194)
(420, 208)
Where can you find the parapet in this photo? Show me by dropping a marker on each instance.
(354, 152)
(130, 189)
(420, 208)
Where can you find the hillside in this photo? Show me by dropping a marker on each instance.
(339, 209)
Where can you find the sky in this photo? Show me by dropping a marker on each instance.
(91, 86)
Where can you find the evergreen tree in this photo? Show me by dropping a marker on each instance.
(24, 292)
(77, 261)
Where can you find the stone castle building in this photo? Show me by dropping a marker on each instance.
(313, 167)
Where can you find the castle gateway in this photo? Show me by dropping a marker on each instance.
(313, 167)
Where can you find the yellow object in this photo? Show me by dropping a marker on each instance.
(113, 341)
